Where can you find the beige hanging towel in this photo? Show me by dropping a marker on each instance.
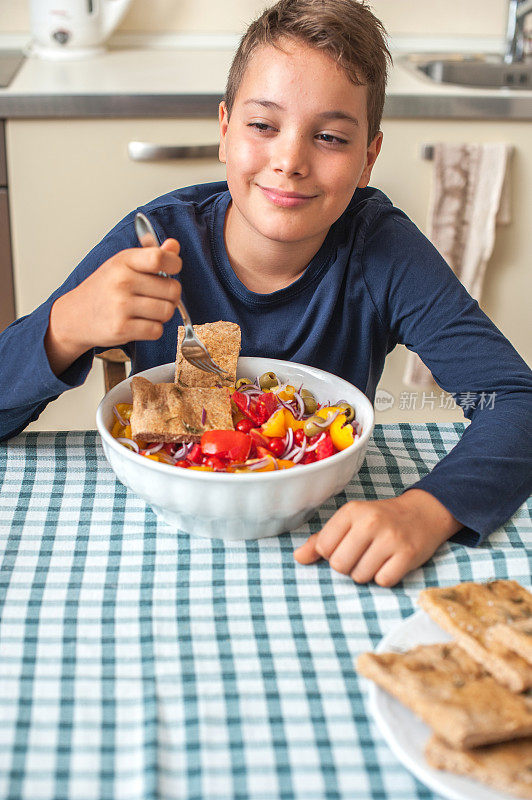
(469, 195)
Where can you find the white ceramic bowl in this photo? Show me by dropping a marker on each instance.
(239, 506)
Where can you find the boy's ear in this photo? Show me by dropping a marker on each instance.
(373, 151)
(223, 119)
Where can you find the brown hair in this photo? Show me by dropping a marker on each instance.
(346, 30)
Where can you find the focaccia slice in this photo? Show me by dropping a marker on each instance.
(451, 692)
(467, 611)
(515, 635)
(507, 767)
(222, 340)
(163, 412)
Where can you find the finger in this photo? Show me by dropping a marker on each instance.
(369, 563)
(151, 308)
(153, 259)
(140, 330)
(172, 245)
(394, 569)
(306, 554)
(154, 286)
(350, 549)
(334, 530)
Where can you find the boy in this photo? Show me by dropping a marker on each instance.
(314, 267)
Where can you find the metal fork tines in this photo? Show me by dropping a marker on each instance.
(192, 348)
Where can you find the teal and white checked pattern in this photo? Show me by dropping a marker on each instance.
(137, 663)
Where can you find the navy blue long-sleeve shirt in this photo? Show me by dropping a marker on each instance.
(375, 282)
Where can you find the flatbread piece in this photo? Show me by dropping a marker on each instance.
(507, 766)
(164, 412)
(222, 340)
(468, 610)
(451, 692)
(515, 635)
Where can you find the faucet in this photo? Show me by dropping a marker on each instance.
(517, 11)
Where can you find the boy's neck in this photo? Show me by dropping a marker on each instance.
(265, 269)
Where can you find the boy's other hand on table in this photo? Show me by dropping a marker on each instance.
(381, 540)
(124, 300)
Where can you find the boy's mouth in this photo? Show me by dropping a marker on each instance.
(280, 197)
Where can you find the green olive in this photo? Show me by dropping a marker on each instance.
(349, 410)
(242, 382)
(309, 401)
(311, 428)
(268, 380)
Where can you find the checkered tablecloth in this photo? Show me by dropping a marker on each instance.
(140, 663)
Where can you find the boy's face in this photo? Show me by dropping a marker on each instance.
(295, 145)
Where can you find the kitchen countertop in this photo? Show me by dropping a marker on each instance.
(173, 82)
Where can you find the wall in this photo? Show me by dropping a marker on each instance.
(400, 17)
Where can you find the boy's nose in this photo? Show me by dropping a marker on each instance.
(289, 156)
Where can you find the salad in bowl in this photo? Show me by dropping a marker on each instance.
(296, 436)
(274, 426)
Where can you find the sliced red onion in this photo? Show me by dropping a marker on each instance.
(285, 404)
(122, 421)
(297, 458)
(182, 451)
(154, 449)
(129, 443)
(330, 418)
(316, 443)
(203, 416)
(249, 388)
(299, 400)
(263, 462)
(289, 442)
(297, 453)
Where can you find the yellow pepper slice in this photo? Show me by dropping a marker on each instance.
(270, 466)
(117, 430)
(276, 425)
(202, 468)
(155, 457)
(124, 409)
(341, 437)
(287, 393)
(291, 421)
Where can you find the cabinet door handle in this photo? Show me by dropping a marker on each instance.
(145, 151)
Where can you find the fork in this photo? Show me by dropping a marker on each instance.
(192, 348)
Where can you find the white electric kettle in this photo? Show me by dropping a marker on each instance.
(69, 29)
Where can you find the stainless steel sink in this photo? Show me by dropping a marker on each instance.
(488, 72)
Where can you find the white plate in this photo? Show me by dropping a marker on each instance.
(406, 734)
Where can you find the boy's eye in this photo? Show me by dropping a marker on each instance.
(259, 126)
(328, 138)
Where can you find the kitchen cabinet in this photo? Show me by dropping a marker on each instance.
(403, 174)
(71, 181)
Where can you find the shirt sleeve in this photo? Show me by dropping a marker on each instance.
(488, 474)
(27, 381)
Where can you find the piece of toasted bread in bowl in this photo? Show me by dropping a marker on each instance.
(239, 506)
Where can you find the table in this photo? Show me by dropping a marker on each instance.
(140, 663)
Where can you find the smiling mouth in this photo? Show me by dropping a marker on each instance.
(280, 197)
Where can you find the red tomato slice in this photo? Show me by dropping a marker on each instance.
(233, 445)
